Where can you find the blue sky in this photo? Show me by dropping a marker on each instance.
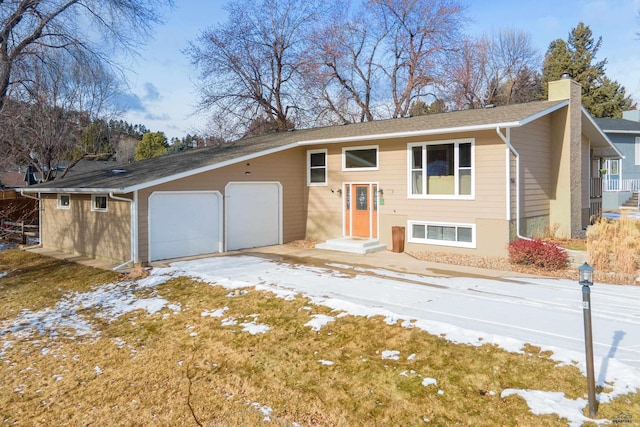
(162, 96)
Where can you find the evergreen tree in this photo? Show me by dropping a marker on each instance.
(601, 96)
(153, 144)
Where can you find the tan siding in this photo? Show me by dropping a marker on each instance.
(103, 235)
(325, 207)
(533, 143)
(288, 168)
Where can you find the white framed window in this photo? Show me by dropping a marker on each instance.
(441, 169)
(637, 150)
(98, 203)
(442, 233)
(64, 201)
(360, 158)
(317, 167)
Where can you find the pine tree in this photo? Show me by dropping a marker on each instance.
(153, 144)
(601, 96)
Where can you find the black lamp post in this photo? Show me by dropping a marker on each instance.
(585, 272)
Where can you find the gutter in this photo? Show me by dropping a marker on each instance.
(134, 228)
(39, 245)
(511, 148)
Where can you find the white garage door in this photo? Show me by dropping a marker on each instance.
(184, 224)
(253, 212)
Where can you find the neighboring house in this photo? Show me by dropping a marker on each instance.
(465, 182)
(621, 177)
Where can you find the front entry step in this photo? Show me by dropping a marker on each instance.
(356, 246)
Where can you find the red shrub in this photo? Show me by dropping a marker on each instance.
(538, 253)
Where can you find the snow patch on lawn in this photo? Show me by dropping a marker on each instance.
(254, 328)
(390, 355)
(214, 313)
(429, 381)
(65, 319)
(548, 402)
(318, 321)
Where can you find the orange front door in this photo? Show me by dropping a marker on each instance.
(361, 210)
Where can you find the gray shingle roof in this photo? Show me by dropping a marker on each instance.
(612, 125)
(137, 174)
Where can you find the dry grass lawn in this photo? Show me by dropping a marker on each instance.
(178, 367)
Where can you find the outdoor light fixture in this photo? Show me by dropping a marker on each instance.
(585, 273)
(380, 192)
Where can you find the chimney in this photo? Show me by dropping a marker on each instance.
(565, 88)
(570, 206)
(633, 115)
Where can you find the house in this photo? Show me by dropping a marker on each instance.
(621, 176)
(466, 182)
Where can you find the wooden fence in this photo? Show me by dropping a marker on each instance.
(11, 230)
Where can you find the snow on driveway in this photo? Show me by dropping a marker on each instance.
(508, 313)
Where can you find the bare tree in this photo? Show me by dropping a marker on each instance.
(468, 75)
(421, 34)
(341, 71)
(250, 65)
(43, 120)
(497, 69)
(30, 30)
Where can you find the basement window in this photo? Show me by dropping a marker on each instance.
(442, 234)
(64, 201)
(98, 203)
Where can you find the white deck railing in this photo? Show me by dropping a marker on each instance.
(613, 184)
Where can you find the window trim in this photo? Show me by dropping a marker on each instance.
(636, 148)
(59, 205)
(427, 241)
(93, 203)
(326, 168)
(457, 168)
(363, 147)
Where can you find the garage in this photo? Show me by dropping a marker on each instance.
(184, 224)
(254, 214)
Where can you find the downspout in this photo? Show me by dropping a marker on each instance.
(511, 148)
(39, 245)
(133, 239)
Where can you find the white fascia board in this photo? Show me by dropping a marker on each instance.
(76, 190)
(543, 113)
(631, 132)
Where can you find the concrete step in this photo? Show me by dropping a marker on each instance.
(632, 202)
(356, 246)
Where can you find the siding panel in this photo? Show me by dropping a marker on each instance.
(102, 235)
